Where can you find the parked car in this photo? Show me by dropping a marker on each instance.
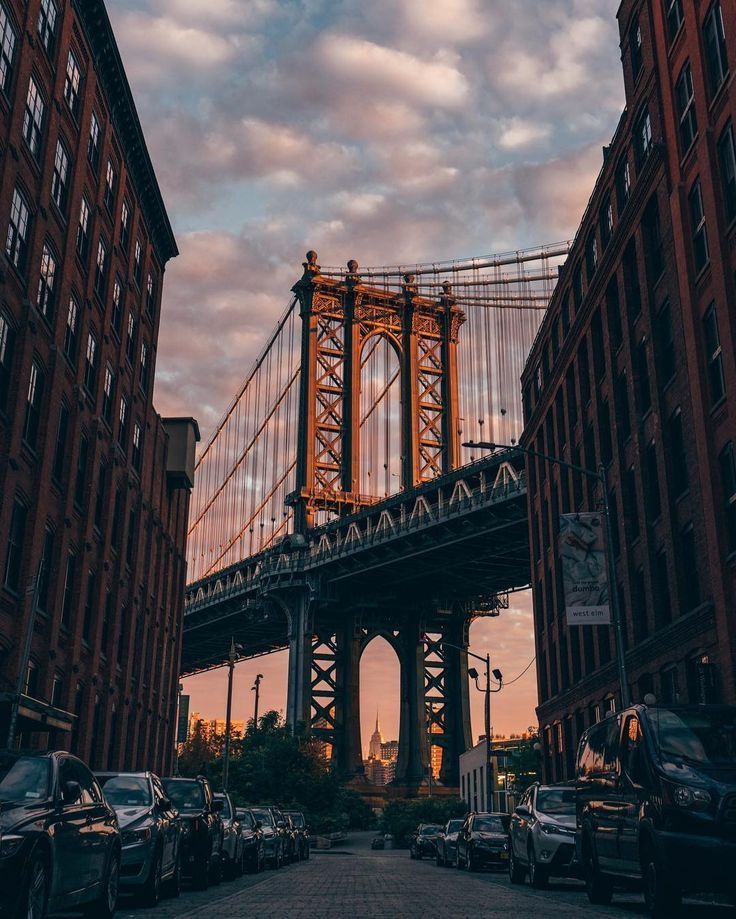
(302, 832)
(483, 840)
(273, 826)
(151, 833)
(656, 803)
(232, 840)
(378, 842)
(291, 841)
(542, 835)
(202, 830)
(446, 842)
(253, 852)
(423, 840)
(59, 838)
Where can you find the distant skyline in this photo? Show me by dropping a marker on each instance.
(395, 130)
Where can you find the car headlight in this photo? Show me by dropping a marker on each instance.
(9, 845)
(132, 837)
(696, 798)
(186, 829)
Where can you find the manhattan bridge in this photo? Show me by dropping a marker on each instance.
(335, 501)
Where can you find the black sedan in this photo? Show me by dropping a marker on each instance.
(254, 854)
(446, 844)
(59, 838)
(483, 840)
(424, 841)
(202, 830)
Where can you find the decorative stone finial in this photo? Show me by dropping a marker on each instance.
(352, 266)
(447, 288)
(352, 278)
(311, 268)
(410, 286)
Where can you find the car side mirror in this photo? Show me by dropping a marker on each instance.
(218, 805)
(259, 825)
(280, 825)
(522, 810)
(71, 792)
(165, 804)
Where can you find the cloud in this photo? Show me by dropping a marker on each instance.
(518, 133)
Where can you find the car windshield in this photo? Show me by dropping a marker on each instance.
(556, 801)
(127, 790)
(297, 820)
(263, 817)
(454, 826)
(491, 824)
(185, 796)
(430, 830)
(225, 813)
(24, 778)
(700, 736)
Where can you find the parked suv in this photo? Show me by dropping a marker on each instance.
(656, 803)
(483, 840)
(272, 823)
(446, 842)
(150, 830)
(232, 841)
(202, 831)
(542, 835)
(423, 840)
(301, 831)
(250, 830)
(59, 838)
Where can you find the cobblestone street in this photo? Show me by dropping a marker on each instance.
(355, 882)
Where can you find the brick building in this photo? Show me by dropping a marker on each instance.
(635, 367)
(93, 483)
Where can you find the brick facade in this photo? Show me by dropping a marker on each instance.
(628, 370)
(85, 478)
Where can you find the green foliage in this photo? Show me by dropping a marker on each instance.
(401, 818)
(197, 754)
(524, 764)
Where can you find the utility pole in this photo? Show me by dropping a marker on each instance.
(489, 758)
(232, 658)
(256, 688)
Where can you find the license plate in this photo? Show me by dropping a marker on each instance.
(504, 856)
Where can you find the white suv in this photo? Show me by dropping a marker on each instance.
(542, 835)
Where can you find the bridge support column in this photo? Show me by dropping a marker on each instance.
(300, 661)
(411, 767)
(348, 754)
(458, 737)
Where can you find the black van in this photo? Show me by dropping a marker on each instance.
(656, 803)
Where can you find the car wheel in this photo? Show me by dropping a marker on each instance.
(240, 867)
(151, 892)
(103, 907)
(538, 874)
(438, 859)
(216, 870)
(516, 871)
(202, 874)
(598, 887)
(458, 864)
(35, 893)
(470, 862)
(662, 897)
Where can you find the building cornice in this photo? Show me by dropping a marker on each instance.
(108, 64)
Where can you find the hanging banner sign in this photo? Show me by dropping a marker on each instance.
(584, 572)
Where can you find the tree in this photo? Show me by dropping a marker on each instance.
(197, 753)
(401, 818)
(524, 762)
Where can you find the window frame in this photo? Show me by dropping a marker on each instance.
(698, 227)
(34, 118)
(686, 109)
(73, 79)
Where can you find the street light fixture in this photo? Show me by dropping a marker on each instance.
(256, 688)
(600, 476)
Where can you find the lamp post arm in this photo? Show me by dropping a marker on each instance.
(555, 460)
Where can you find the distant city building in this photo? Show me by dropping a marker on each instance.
(94, 483)
(473, 775)
(212, 729)
(380, 767)
(634, 367)
(374, 747)
(390, 750)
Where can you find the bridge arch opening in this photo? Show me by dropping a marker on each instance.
(380, 692)
(380, 417)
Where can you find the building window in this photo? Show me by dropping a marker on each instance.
(72, 84)
(83, 230)
(664, 342)
(110, 183)
(643, 137)
(47, 25)
(7, 344)
(117, 519)
(57, 469)
(34, 398)
(33, 119)
(46, 283)
(623, 184)
(7, 51)
(635, 45)
(71, 332)
(137, 263)
(577, 287)
(727, 463)
(89, 606)
(716, 59)
(132, 536)
(90, 365)
(685, 97)
(80, 479)
(137, 455)
(108, 390)
(700, 233)
(123, 418)
(130, 348)
(60, 177)
(68, 597)
(125, 226)
(16, 245)
(727, 159)
(676, 455)
(714, 355)
(631, 507)
(56, 690)
(101, 269)
(652, 238)
(689, 580)
(613, 312)
(93, 143)
(150, 295)
(651, 481)
(623, 411)
(591, 255)
(605, 221)
(144, 369)
(675, 17)
(100, 496)
(14, 551)
(641, 378)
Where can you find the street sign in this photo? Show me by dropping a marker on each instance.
(584, 572)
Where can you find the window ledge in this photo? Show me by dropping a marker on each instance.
(721, 93)
(718, 409)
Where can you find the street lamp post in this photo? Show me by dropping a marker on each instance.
(600, 476)
(256, 688)
(231, 660)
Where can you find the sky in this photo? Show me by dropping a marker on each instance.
(388, 131)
